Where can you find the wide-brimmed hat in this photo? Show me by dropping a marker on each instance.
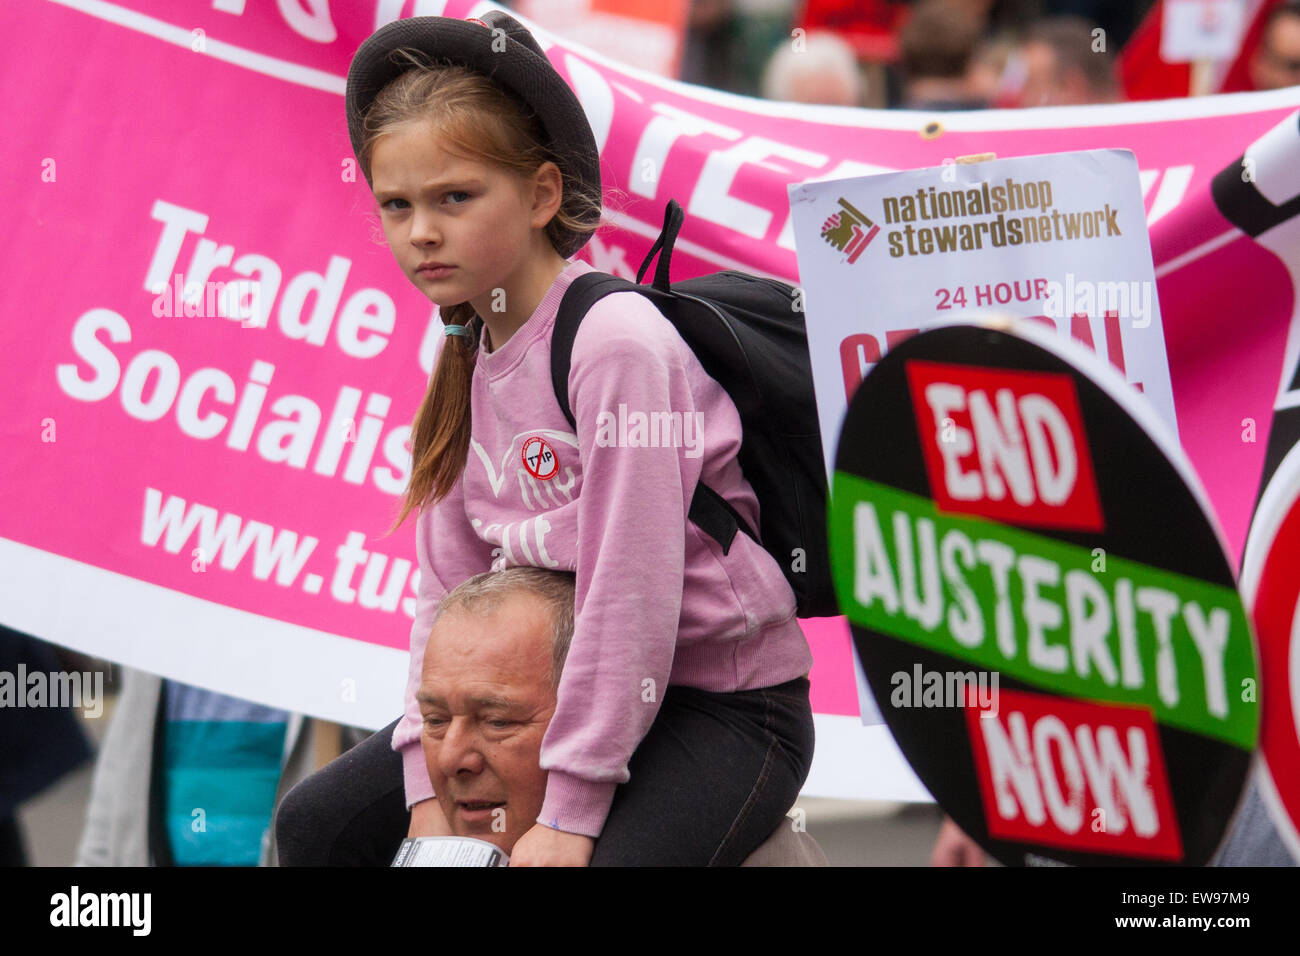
(514, 60)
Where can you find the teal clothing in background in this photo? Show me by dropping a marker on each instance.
(221, 767)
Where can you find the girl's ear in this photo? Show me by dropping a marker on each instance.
(548, 194)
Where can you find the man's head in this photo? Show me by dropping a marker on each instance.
(936, 46)
(487, 693)
(938, 39)
(1066, 62)
(823, 69)
(1276, 61)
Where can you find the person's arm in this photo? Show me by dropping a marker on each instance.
(631, 560)
(449, 553)
(955, 848)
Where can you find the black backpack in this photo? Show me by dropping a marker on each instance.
(749, 336)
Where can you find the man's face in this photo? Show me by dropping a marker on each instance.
(1041, 83)
(1039, 89)
(1047, 83)
(1276, 64)
(486, 700)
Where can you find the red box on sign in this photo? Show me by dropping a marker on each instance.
(1004, 444)
(1060, 772)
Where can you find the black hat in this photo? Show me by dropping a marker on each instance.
(514, 60)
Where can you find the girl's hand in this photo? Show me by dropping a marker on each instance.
(542, 846)
(427, 819)
(955, 848)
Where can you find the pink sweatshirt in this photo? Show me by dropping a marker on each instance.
(657, 602)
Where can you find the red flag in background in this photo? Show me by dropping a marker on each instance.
(1146, 76)
(647, 34)
(870, 26)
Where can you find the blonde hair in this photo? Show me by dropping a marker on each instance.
(480, 120)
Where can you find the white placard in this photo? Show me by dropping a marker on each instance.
(1201, 30)
(1061, 237)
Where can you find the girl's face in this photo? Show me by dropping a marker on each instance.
(476, 221)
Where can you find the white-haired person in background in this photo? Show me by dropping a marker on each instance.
(817, 68)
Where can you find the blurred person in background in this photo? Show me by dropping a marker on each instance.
(996, 74)
(190, 777)
(822, 68)
(1275, 64)
(1065, 62)
(937, 48)
(999, 16)
(711, 51)
(41, 738)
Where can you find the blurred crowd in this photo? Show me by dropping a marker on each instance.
(948, 54)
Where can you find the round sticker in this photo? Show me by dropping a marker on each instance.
(539, 458)
(1042, 607)
(1270, 585)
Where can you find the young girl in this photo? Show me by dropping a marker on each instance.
(682, 732)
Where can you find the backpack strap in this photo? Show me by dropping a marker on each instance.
(711, 512)
(583, 292)
(663, 245)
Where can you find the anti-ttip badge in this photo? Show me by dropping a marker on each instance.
(539, 458)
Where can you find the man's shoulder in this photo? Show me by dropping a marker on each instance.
(788, 846)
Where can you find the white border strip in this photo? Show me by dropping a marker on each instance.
(196, 641)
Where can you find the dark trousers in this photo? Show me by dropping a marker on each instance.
(712, 780)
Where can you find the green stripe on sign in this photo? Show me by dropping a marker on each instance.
(1035, 609)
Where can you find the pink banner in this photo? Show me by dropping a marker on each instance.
(193, 493)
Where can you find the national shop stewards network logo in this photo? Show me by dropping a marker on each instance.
(849, 230)
(933, 221)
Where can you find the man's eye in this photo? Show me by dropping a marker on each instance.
(432, 721)
(500, 723)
